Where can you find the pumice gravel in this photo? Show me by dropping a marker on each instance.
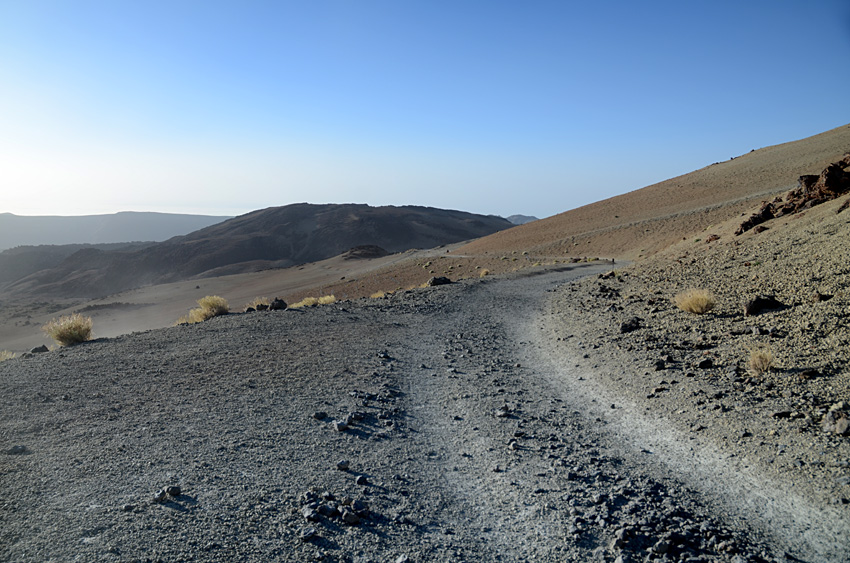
(469, 435)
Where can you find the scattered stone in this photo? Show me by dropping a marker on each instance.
(760, 303)
(328, 510)
(320, 415)
(782, 414)
(350, 518)
(660, 365)
(438, 280)
(707, 363)
(39, 349)
(173, 491)
(402, 559)
(631, 325)
(340, 426)
(277, 304)
(307, 534)
(17, 450)
(819, 297)
(128, 507)
(361, 480)
(343, 465)
(160, 496)
(310, 514)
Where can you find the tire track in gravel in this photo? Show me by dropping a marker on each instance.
(534, 472)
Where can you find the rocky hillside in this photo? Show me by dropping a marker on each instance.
(270, 238)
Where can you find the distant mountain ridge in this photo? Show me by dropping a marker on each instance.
(125, 226)
(276, 237)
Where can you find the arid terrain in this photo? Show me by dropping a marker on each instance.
(556, 408)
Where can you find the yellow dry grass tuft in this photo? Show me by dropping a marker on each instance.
(761, 360)
(327, 299)
(306, 302)
(696, 301)
(378, 295)
(69, 330)
(6, 355)
(484, 272)
(208, 307)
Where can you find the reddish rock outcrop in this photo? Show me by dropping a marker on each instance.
(812, 190)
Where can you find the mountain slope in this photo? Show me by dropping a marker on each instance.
(644, 221)
(273, 237)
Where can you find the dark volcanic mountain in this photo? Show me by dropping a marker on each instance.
(127, 226)
(276, 237)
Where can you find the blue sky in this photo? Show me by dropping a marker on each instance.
(494, 106)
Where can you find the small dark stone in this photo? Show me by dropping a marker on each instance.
(340, 426)
(706, 364)
(320, 415)
(361, 480)
(630, 325)
(760, 303)
(277, 304)
(128, 507)
(17, 450)
(307, 534)
(660, 365)
(343, 465)
(39, 349)
(438, 280)
(173, 491)
(309, 514)
(350, 518)
(160, 496)
(782, 414)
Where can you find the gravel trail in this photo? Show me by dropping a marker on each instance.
(443, 424)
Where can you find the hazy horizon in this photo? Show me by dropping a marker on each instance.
(487, 107)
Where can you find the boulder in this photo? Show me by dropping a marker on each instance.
(760, 303)
(438, 280)
(277, 304)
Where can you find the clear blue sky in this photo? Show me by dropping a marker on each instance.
(488, 106)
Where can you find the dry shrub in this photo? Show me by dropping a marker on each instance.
(6, 355)
(306, 302)
(378, 295)
(327, 299)
(209, 307)
(69, 330)
(484, 272)
(761, 360)
(696, 301)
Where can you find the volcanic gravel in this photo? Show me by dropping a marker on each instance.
(454, 423)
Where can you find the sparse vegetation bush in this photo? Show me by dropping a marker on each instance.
(6, 355)
(314, 301)
(696, 301)
(327, 299)
(69, 330)
(378, 295)
(208, 307)
(306, 302)
(484, 272)
(761, 360)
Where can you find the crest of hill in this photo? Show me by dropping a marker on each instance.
(276, 237)
(643, 222)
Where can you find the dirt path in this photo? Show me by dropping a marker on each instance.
(469, 438)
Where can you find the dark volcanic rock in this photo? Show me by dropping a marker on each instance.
(438, 280)
(811, 190)
(760, 303)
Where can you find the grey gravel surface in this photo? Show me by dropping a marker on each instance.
(443, 424)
